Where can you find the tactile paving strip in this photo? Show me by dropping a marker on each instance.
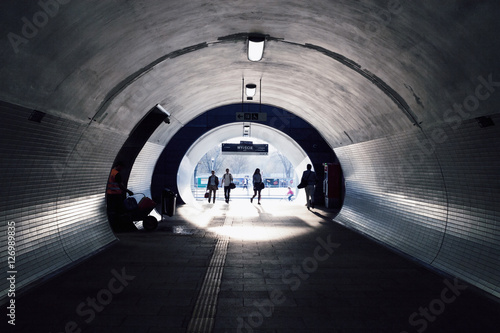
(203, 317)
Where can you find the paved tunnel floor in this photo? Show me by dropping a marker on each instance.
(241, 267)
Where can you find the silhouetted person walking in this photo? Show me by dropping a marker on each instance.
(258, 185)
(309, 177)
(212, 186)
(227, 179)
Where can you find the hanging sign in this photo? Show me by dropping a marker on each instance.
(242, 148)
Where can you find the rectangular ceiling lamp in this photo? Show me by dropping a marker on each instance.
(255, 48)
(246, 130)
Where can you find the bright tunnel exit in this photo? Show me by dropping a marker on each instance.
(187, 181)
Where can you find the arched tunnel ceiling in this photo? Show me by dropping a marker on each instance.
(111, 61)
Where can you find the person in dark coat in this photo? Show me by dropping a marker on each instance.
(257, 185)
(309, 177)
(212, 186)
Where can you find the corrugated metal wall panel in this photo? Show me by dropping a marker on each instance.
(53, 175)
(142, 171)
(432, 200)
(392, 199)
(471, 246)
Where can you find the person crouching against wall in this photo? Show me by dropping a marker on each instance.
(116, 193)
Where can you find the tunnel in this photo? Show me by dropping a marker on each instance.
(289, 134)
(403, 95)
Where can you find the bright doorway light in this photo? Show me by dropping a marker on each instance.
(279, 140)
(277, 171)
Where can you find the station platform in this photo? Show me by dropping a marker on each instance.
(242, 267)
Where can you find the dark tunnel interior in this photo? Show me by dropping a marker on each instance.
(403, 95)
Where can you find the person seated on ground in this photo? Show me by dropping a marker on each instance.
(116, 191)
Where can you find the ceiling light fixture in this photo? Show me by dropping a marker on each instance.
(255, 47)
(246, 130)
(250, 89)
(162, 109)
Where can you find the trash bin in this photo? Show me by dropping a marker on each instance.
(168, 199)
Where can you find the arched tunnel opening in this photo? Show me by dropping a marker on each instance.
(290, 151)
(243, 156)
(223, 149)
(292, 136)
